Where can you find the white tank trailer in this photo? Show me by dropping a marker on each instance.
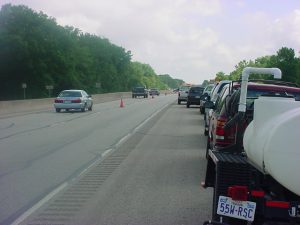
(263, 170)
(271, 141)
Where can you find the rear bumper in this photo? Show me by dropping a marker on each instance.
(194, 101)
(139, 94)
(182, 98)
(69, 106)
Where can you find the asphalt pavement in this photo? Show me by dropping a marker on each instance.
(152, 177)
(43, 152)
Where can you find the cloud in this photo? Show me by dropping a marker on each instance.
(188, 39)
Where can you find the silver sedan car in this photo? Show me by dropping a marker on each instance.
(73, 99)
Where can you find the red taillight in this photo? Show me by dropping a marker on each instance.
(278, 204)
(58, 101)
(224, 137)
(238, 193)
(220, 132)
(258, 194)
(76, 100)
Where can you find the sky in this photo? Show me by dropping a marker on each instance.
(187, 39)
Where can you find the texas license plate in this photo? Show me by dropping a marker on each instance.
(244, 210)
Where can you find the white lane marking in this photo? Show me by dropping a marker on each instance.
(127, 136)
(106, 152)
(39, 204)
(30, 211)
(58, 123)
(149, 118)
(122, 140)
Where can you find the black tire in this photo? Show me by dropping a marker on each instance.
(132, 96)
(187, 105)
(179, 102)
(57, 110)
(91, 107)
(207, 147)
(202, 110)
(205, 132)
(84, 108)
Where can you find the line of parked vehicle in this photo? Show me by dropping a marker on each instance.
(245, 193)
(222, 105)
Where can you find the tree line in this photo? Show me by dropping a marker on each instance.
(284, 59)
(38, 52)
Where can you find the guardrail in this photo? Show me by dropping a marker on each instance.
(33, 105)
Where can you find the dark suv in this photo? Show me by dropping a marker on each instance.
(194, 94)
(139, 91)
(226, 107)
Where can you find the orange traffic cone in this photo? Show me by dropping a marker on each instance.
(121, 103)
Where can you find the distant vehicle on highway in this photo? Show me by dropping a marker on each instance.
(73, 99)
(154, 91)
(183, 93)
(139, 91)
(194, 94)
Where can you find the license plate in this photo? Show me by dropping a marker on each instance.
(197, 97)
(244, 210)
(67, 102)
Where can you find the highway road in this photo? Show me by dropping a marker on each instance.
(141, 164)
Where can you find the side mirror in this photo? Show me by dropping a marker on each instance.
(209, 105)
(205, 97)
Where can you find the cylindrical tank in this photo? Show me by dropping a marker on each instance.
(272, 140)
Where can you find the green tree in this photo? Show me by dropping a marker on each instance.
(37, 51)
(288, 63)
